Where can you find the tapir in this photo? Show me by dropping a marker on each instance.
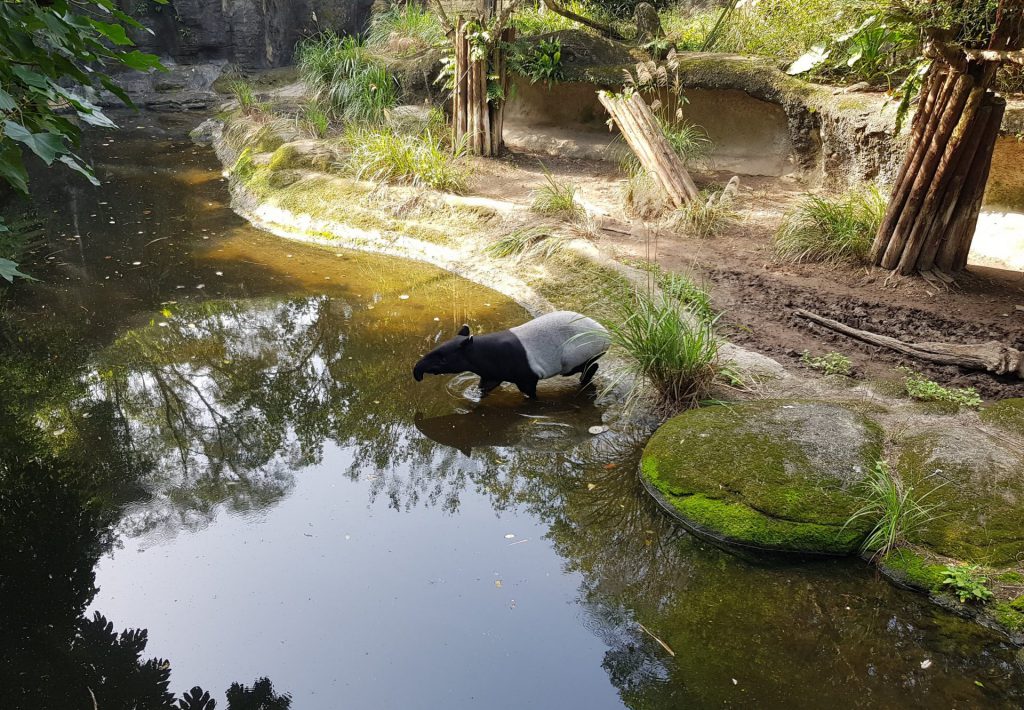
(559, 343)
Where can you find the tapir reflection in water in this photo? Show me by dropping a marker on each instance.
(559, 343)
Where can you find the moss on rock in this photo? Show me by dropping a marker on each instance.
(775, 474)
(909, 568)
(1007, 414)
(978, 488)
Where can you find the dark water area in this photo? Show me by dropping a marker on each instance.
(215, 456)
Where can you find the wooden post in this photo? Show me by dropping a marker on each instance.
(645, 137)
(475, 119)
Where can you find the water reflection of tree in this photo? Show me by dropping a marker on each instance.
(66, 474)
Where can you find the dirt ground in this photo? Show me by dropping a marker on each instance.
(758, 294)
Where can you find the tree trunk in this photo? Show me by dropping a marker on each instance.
(933, 210)
(477, 120)
(935, 202)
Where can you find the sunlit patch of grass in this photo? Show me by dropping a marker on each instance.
(382, 154)
(345, 80)
(404, 29)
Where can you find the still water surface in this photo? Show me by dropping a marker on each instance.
(278, 498)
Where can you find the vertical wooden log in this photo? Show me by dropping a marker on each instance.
(956, 248)
(921, 177)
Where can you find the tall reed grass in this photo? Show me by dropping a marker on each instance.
(832, 228)
(345, 79)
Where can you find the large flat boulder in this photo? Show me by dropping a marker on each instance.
(779, 475)
(978, 481)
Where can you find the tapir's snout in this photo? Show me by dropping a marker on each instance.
(417, 373)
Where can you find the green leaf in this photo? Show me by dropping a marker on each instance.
(9, 270)
(46, 145)
(112, 31)
(7, 101)
(11, 168)
(141, 61)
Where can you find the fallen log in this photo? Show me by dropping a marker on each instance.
(992, 356)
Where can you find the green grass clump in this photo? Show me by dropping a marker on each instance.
(345, 80)
(831, 229)
(966, 583)
(921, 388)
(706, 215)
(315, 120)
(528, 241)
(682, 288)
(383, 154)
(245, 95)
(557, 199)
(897, 509)
(829, 363)
(404, 29)
(671, 346)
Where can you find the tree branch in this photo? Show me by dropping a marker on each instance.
(606, 30)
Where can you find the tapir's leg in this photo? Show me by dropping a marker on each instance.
(528, 387)
(487, 385)
(588, 372)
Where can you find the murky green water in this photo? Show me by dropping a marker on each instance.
(214, 436)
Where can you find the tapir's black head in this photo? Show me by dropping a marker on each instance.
(447, 358)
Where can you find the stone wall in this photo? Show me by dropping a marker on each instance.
(254, 34)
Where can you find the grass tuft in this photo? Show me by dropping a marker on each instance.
(404, 29)
(829, 363)
(527, 241)
(831, 229)
(671, 346)
(898, 511)
(557, 199)
(706, 216)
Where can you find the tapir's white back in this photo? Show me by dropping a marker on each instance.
(558, 342)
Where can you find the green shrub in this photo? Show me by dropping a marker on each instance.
(536, 19)
(540, 61)
(405, 29)
(921, 388)
(829, 363)
(382, 154)
(345, 80)
(831, 229)
(670, 345)
(898, 511)
(556, 199)
(966, 583)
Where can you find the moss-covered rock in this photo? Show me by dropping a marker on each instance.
(978, 483)
(775, 474)
(909, 568)
(1006, 414)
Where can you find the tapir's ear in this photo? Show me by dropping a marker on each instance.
(467, 342)
(464, 330)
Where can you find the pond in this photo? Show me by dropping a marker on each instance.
(213, 435)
